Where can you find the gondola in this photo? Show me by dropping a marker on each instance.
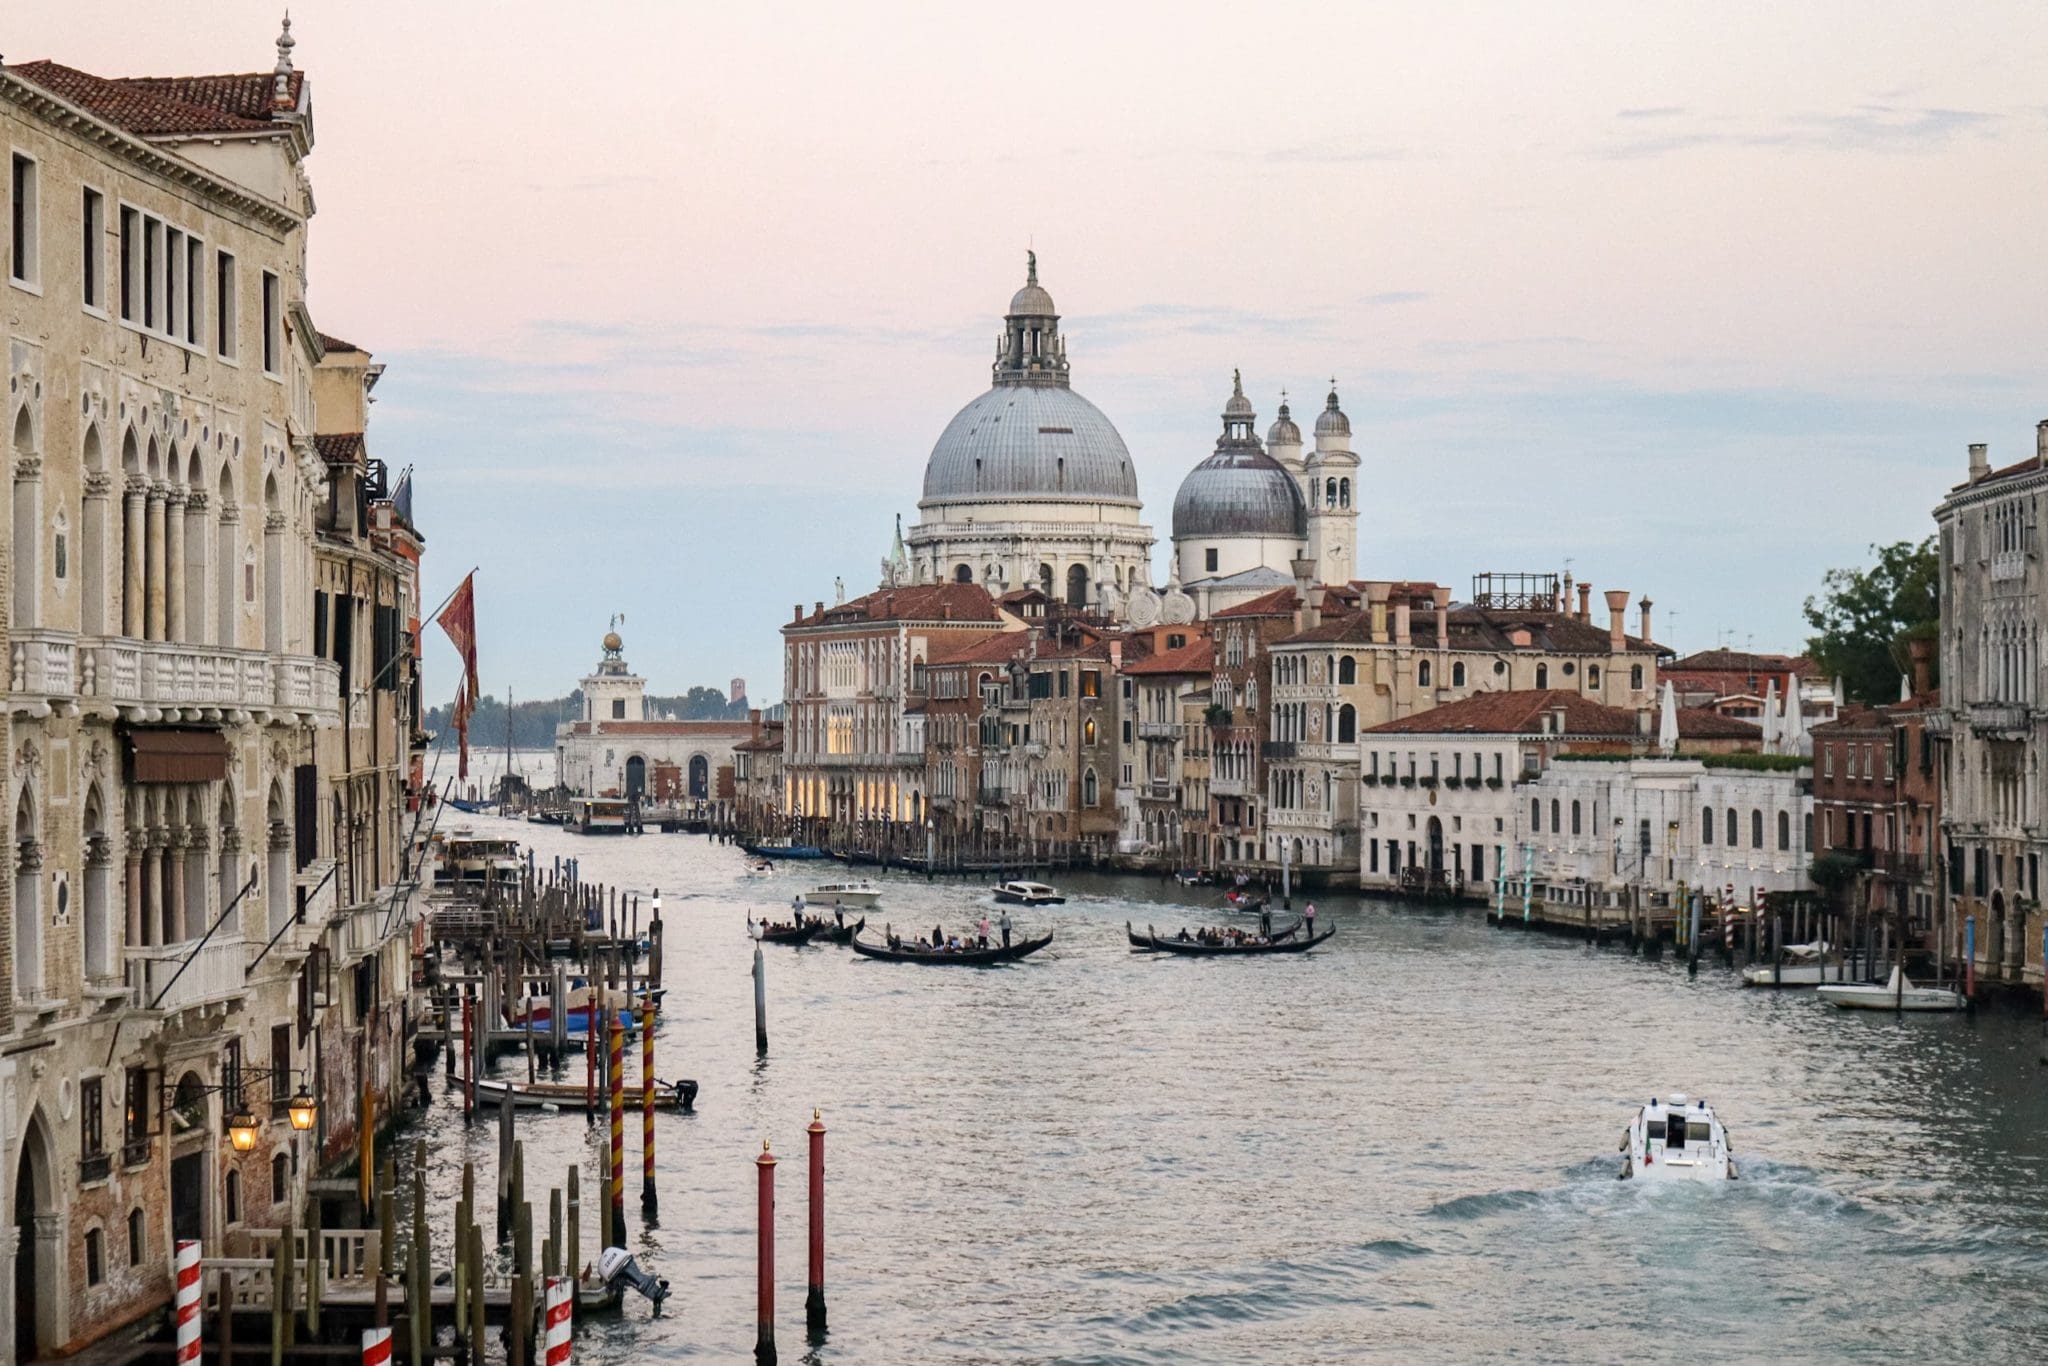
(798, 935)
(1153, 940)
(1144, 941)
(841, 934)
(531, 1095)
(996, 953)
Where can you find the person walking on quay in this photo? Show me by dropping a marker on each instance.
(1308, 917)
(1004, 925)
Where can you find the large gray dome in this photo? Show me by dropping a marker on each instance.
(1240, 490)
(1040, 442)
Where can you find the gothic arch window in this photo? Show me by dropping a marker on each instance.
(1542, 675)
(1089, 789)
(1706, 825)
(1556, 825)
(28, 909)
(1732, 833)
(1784, 830)
(1575, 818)
(1756, 829)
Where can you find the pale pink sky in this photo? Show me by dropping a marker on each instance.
(1703, 297)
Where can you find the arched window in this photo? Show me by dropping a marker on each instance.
(1535, 815)
(28, 910)
(963, 573)
(1706, 825)
(1592, 675)
(1458, 674)
(1575, 817)
(1347, 724)
(1347, 670)
(1343, 493)
(1784, 830)
(1756, 829)
(1089, 791)
(1077, 586)
(1422, 674)
(1733, 835)
(1556, 825)
(1087, 732)
(1542, 675)
(280, 1179)
(1045, 579)
(1330, 494)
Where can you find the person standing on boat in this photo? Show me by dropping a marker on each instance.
(984, 932)
(1266, 920)
(1004, 925)
(1308, 917)
(839, 915)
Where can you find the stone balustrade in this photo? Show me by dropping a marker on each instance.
(179, 680)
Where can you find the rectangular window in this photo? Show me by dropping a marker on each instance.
(231, 1074)
(135, 1119)
(129, 247)
(24, 265)
(152, 252)
(91, 1118)
(273, 325)
(135, 1238)
(1091, 683)
(93, 217)
(280, 1069)
(223, 304)
(1209, 560)
(1063, 682)
(618, 709)
(174, 282)
(195, 288)
(95, 1258)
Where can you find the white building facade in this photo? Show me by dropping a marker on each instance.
(614, 749)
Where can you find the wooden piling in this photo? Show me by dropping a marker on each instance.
(281, 1295)
(387, 1234)
(616, 1231)
(522, 1284)
(227, 1317)
(647, 1197)
(553, 1264)
(572, 1249)
(418, 1334)
(316, 1265)
(476, 1292)
(760, 1003)
(506, 1146)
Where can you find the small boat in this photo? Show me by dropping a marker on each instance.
(907, 953)
(840, 934)
(538, 1011)
(1896, 994)
(1193, 878)
(785, 851)
(531, 1095)
(471, 808)
(1284, 942)
(799, 934)
(1027, 894)
(1246, 904)
(1678, 1139)
(1799, 965)
(861, 893)
(598, 816)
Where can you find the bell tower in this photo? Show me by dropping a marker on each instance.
(1330, 487)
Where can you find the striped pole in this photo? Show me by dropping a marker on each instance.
(555, 1335)
(376, 1347)
(618, 1080)
(647, 1103)
(187, 1300)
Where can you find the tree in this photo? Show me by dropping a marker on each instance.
(1865, 619)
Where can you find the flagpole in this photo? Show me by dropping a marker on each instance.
(452, 592)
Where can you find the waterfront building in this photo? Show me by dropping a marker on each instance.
(1240, 701)
(853, 759)
(757, 776)
(1992, 593)
(1030, 484)
(1358, 660)
(1785, 694)
(1162, 736)
(962, 685)
(178, 896)
(1445, 805)
(615, 749)
(1048, 768)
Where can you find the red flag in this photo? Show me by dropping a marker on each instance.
(458, 619)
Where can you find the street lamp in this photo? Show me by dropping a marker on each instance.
(303, 1110)
(242, 1130)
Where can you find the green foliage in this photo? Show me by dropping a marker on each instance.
(1864, 619)
(1831, 872)
(533, 723)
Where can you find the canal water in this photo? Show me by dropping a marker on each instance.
(1402, 1146)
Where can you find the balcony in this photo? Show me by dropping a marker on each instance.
(214, 976)
(1999, 720)
(1158, 730)
(1277, 749)
(159, 680)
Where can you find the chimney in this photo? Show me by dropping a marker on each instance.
(1585, 602)
(1980, 461)
(945, 611)
(1617, 607)
(1116, 656)
(1442, 598)
(1376, 603)
(754, 722)
(821, 607)
(1401, 622)
(1305, 614)
(1645, 605)
(1567, 590)
(1033, 637)
(796, 612)
(1922, 652)
(1643, 721)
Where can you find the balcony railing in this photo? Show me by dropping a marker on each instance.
(1998, 718)
(171, 675)
(1277, 749)
(1159, 730)
(215, 974)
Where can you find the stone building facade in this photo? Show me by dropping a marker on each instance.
(615, 749)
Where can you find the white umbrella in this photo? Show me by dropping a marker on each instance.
(1667, 721)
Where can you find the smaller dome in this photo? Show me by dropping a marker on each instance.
(1031, 301)
(1239, 405)
(1331, 421)
(1283, 432)
(612, 643)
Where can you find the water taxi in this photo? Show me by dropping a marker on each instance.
(1798, 965)
(1676, 1139)
(472, 861)
(597, 815)
(860, 893)
(1896, 994)
(1027, 894)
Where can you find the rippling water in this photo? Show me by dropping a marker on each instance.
(1400, 1146)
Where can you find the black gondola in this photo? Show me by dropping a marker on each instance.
(995, 953)
(798, 935)
(1153, 940)
(841, 934)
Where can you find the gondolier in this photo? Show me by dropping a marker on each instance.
(1309, 916)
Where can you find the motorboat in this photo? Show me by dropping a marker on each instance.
(471, 861)
(784, 851)
(536, 1012)
(1897, 994)
(861, 893)
(1027, 894)
(598, 816)
(1676, 1139)
(1798, 965)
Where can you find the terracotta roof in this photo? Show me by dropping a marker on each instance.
(328, 343)
(1742, 662)
(1479, 628)
(1698, 723)
(165, 106)
(1520, 712)
(1278, 603)
(2031, 465)
(1196, 657)
(339, 448)
(962, 602)
(996, 648)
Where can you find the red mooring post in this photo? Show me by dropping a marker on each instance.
(814, 1302)
(618, 1200)
(764, 1331)
(647, 1104)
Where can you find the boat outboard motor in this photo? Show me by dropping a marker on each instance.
(615, 1265)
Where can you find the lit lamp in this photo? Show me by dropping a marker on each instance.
(303, 1110)
(242, 1130)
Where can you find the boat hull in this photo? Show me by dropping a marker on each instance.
(966, 958)
(1282, 943)
(1889, 998)
(852, 900)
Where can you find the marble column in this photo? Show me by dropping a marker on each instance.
(134, 535)
(174, 564)
(92, 556)
(137, 935)
(175, 913)
(197, 552)
(153, 568)
(161, 930)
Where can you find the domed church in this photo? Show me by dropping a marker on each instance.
(1030, 485)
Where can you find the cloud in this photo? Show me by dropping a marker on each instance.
(1661, 111)
(1872, 127)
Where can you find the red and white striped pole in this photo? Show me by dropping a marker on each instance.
(764, 1330)
(647, 1199)
(555, 1317)
(618, 1099)
(376, 1347)
(187, 1301)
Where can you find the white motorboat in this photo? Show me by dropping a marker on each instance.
(1897, 994)
(1798, 965)
(861, 894)
(1676, 1139)
(1028, 894)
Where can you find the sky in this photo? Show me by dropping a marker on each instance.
(1692, 300)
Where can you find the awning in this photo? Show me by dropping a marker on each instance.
(176, 756)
